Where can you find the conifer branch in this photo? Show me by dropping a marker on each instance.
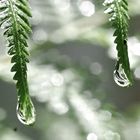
(118, 11)
(14, 16)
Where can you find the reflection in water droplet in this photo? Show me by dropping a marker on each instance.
(120, 77)
(26, 111)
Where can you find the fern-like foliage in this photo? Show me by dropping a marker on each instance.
(14, 20)
(118, 11)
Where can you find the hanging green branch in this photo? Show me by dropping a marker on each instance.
(118, 10)
(14, 20)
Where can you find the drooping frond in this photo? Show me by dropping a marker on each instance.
(14, 20)
(118, 11)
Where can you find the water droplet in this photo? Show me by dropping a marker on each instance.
(120, 77)
(26, 111)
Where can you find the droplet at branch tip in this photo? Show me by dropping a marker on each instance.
(26, 112)
(120, 77)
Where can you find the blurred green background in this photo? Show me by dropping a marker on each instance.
(71, 76)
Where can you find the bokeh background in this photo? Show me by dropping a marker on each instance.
(72, 59)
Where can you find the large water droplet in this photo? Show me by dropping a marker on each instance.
(120, 77)
(26, 111)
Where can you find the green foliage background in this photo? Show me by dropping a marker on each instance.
(70, 77)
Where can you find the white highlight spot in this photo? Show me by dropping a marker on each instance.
(92, 136)
(87, 8)
(96, 68)
(57, 79)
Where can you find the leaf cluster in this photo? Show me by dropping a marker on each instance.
(14, 20)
